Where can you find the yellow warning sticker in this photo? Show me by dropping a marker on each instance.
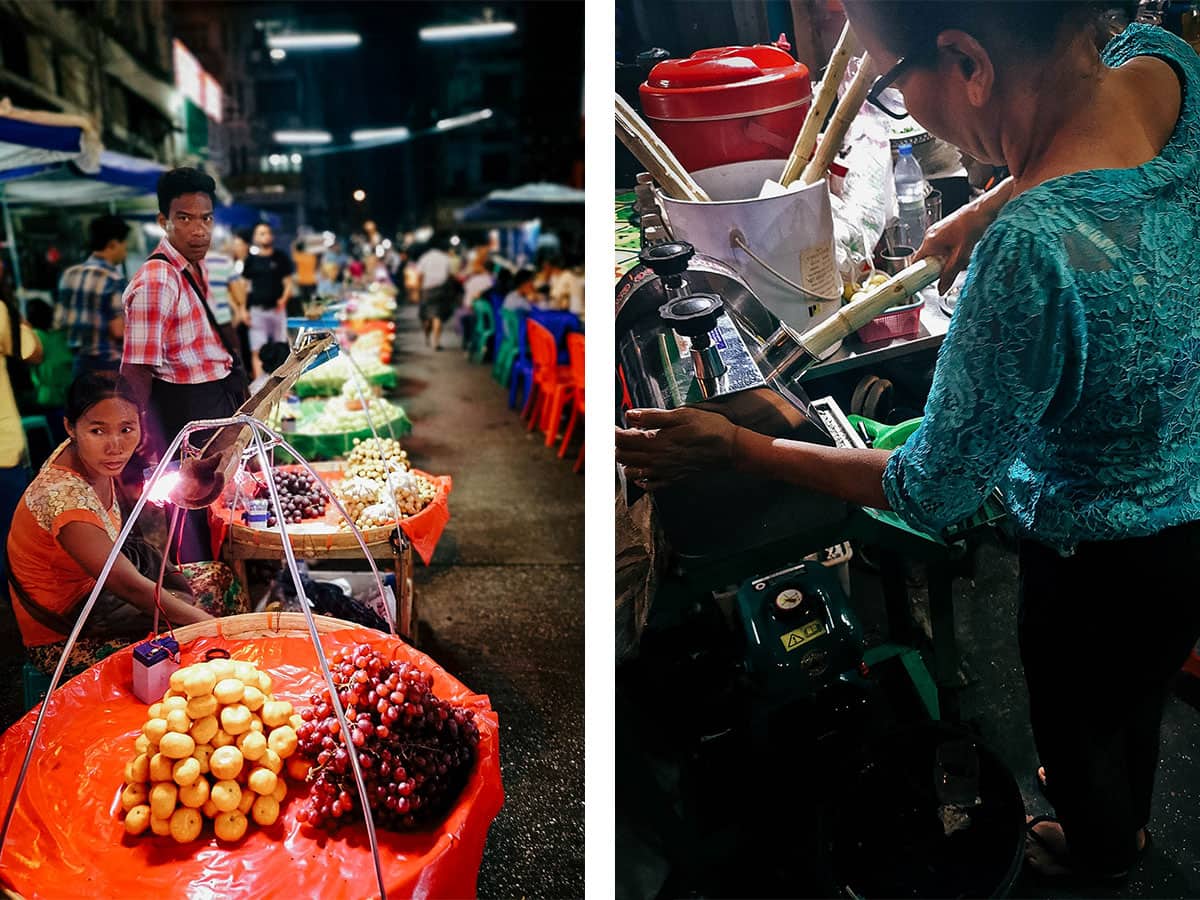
(798, 637)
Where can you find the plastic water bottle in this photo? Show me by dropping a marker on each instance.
(910, 194)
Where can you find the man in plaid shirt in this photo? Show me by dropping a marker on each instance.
(89, 298)
(174, 355)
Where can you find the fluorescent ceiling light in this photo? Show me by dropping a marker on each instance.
(303, 137)
(467, 32)
(315, 40)
(459, 121)
(399, 133)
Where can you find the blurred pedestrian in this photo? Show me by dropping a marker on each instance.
(54, 374)
(524, 294)
(438, 295)
(268, 272)
(89, 297)
(226, 295)
(305, 262)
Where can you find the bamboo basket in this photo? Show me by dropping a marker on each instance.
(249, 626)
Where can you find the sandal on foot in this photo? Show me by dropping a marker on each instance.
(1076, 875)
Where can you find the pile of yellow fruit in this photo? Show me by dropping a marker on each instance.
(213, 748)
(375, 458)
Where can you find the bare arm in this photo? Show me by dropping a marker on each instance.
(139, 378)
(237, 299)
(663, 447)
(90, 546)
(116, 329)
(287, 292)
(31, 345)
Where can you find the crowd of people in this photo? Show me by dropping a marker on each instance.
(116, 367)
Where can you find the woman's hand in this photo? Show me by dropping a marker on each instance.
(954, 237)
(663, 446)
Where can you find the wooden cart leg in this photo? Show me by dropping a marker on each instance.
(406, 599)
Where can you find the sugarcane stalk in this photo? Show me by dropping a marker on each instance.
(846, 47)
(893, 292)
(848, 107)
(655, 156)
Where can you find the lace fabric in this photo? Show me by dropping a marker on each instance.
(1070, 374)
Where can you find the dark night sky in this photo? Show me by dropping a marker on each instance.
(395, 79)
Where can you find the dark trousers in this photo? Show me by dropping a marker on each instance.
(172, 406)
(1101, 634)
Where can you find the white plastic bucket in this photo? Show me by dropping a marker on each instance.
(791, 233)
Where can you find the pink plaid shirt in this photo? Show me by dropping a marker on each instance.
(166, 327)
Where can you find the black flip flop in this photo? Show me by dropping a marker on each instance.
(1077, 876)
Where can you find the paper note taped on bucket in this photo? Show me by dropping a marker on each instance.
(792, 233)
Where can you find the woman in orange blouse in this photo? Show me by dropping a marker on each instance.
(65, 527)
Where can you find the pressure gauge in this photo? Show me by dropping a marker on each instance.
(788, 599)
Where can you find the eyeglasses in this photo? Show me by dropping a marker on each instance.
(885, 81)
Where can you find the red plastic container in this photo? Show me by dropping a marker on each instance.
(728, 104)
(903, 321)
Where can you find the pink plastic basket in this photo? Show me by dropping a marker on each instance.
(903, 321)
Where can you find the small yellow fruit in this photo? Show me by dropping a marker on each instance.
(271, 760)
(209, 808)
(142, 744)
(178, 721)
(225, 763)
(205, 729)
(201, 754)
(177, 746)
(156, 712)
(280, 790)
(161, 767)
(262, 781)
(134, 795)
(195, 795)
(235, 719)
(275, 713)
(256, 724)
(265, 810)
(139, 768)
(295, 721)
(245, 672)
(297, 768)
(252, 744)
(186, 771)
(199, 681)
(154, 729)
(176, 680)
(160, 826)
(264, 683)
(283, 741)
(222, 738)
(253, 698)
(229, 690)
(185, 825)
(226, 795)
(230, 825)
(137, 820)
(204, 705)
(162, 799)
(247, 801)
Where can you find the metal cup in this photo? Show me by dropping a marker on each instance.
(895, 259)
(933, 207)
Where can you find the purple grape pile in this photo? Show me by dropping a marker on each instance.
(415, 751)
(300, 495)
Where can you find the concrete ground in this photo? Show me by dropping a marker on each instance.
(500, 607)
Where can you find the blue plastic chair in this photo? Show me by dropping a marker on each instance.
(521, 384)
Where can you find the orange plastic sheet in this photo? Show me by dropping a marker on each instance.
(423, 530)
(67, 839)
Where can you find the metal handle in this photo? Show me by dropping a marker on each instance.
(737, 239)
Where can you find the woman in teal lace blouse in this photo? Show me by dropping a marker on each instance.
(1069, 378)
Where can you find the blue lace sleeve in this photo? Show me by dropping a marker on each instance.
(1012, 362)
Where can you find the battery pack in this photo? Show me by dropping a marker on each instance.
(154, 662)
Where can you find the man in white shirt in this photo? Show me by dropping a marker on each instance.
(523, 293)
(437, 300)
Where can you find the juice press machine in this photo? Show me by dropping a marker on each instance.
(800, 680)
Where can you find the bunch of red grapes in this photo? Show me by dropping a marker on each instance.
(415, 751)
(300, 495)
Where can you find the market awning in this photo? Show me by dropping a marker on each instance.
(118, 177)
(530, 201)
(32, 141)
